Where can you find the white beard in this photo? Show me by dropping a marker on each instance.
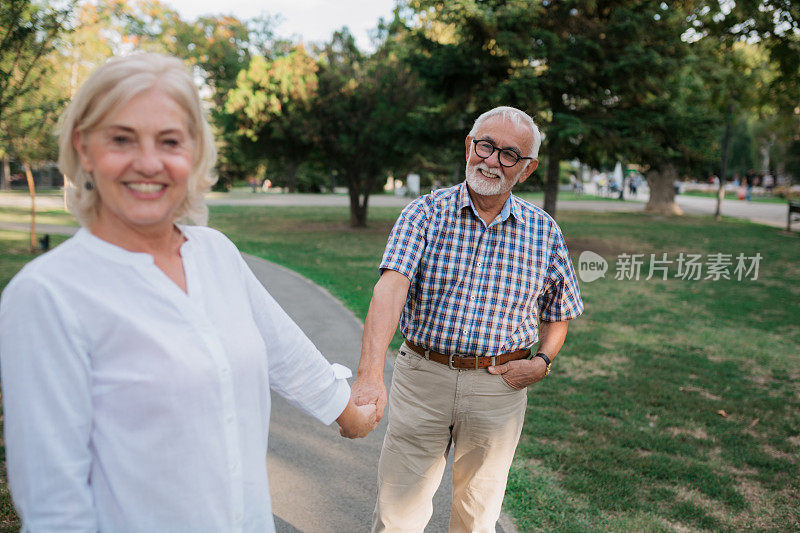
(484, 186)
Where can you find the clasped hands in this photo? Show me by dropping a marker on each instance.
(365, 410)
(357, 421)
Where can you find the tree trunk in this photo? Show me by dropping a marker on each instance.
(358, 211)
(726, 144)
(32, 191)
(291, 184)
(6, 182)
(764, 150)
(551, 177)
(662, 191)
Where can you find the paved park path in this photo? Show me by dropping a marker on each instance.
(320, 481)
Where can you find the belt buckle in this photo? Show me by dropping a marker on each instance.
(465, 356)
(450, 362)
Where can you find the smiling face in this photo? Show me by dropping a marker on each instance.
(140, 158)
(487, 177)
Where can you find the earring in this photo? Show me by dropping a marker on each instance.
(88, 186)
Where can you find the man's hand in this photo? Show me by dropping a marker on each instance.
(364, 392)
(357, 421)
(522, 372)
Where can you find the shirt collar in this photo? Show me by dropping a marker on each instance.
(511, 207)
(117, 253)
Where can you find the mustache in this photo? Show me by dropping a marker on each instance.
(484, 166)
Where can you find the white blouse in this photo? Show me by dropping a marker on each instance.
(133, 406)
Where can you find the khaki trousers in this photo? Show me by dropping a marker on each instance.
(431, 405)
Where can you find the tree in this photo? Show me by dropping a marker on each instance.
(679, 137)
(579, 67)
(28, 34)
(220, 48)
(465, 53)
(368, 111)
(273, 101)
(771, 29)
(758, 80)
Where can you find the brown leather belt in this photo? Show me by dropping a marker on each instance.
(466, 361)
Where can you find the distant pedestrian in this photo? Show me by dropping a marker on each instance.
(769, 182)
(750, 181)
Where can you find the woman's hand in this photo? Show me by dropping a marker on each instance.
(356, 421)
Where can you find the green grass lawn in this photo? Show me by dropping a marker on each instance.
(22, 214)
(567, 196)
(674, 404)
(732, 196)
(626, 434)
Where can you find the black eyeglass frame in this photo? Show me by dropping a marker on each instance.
(495, 149)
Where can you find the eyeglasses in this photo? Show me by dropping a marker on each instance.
(507, 158)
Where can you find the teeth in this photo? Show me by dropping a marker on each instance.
(488, 175)
(145, 187)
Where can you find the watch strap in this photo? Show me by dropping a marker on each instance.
(546, 360)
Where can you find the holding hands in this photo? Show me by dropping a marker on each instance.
(365, 392)
(356, 421)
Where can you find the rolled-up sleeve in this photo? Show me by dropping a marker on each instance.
(297, 370)
(47, 408)
(561, 297)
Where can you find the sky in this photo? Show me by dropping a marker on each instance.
(311, 20)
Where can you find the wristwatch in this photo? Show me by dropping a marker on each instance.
(546, 359)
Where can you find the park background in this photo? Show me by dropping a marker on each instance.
(674, 404)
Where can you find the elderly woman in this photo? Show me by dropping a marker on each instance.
(137, 357)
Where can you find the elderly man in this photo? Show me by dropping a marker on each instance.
(476, 277)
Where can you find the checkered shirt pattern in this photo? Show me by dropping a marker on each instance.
(478, 289)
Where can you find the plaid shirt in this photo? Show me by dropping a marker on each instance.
(478, 289)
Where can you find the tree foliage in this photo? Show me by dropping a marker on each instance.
(273, 100)
(671, 85)
(29, 104)
(368, 115)
(589, 72)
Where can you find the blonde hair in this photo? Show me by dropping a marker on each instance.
(112, 86)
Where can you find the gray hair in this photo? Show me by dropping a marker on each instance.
(112, 86)
(516, 116)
